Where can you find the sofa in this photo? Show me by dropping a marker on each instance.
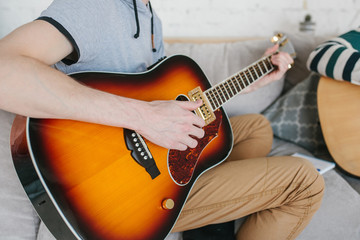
(338, 217)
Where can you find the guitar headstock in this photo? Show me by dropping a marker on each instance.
(285, 44)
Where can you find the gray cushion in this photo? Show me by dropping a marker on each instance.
(339, 214)
(44, 233)
(294, 116)
(18, 220)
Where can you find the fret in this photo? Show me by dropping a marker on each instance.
(221, 95)
(244, 80)
(252, 79)
(268, 64)
(257, 70)
(236, 84)
(224, 91)
(214, 100)
(253, 72)
(247, 75)
(231, 88)
(240, 81)
(228, 89)
(271, 65)
(213, 94)
(241, 76)
(211, 99)
(216, 96)
(262, 66)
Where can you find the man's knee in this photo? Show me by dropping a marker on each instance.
(311, 180)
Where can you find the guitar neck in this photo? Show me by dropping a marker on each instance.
(221, 93)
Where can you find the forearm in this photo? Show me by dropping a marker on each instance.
(31, 88)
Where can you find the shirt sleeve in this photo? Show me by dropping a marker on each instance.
(338, 58)
(63, 14)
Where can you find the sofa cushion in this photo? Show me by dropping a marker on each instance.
(44, 233)
(294, 116)
(221, 60)
(18, 219)
(338, 216)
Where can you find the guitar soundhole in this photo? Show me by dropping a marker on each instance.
(182, 98)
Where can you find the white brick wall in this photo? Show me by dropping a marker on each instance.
(220, 18)
(244, 18)
(14, 13)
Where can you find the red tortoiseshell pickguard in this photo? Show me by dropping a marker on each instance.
(182, 163)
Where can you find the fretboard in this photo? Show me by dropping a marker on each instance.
(222, 92)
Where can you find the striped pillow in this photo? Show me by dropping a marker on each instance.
(338, 58)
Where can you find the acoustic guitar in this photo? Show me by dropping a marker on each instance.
(89, 181)
(339, 113)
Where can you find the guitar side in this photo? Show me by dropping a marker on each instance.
(97, 187)
(339, 112)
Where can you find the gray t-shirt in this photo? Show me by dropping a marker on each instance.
(102, 33)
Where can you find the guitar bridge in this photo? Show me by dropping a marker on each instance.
(204, 111)
(140, 152)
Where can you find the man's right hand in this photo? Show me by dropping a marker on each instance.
(171, 124)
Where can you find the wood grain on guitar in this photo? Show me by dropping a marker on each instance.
(339, 113)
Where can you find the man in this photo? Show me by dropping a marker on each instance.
(281, 193)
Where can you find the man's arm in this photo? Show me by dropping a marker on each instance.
(28, 84)
(338, 58)
(30, 87)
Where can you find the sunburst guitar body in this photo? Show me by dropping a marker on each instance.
(89, 181)
(93, 176)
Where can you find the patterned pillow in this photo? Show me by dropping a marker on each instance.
(294, 116)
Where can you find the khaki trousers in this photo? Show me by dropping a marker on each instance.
(278, 194)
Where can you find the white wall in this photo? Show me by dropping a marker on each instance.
(254, 17)
(14, 13)
(220, 18)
